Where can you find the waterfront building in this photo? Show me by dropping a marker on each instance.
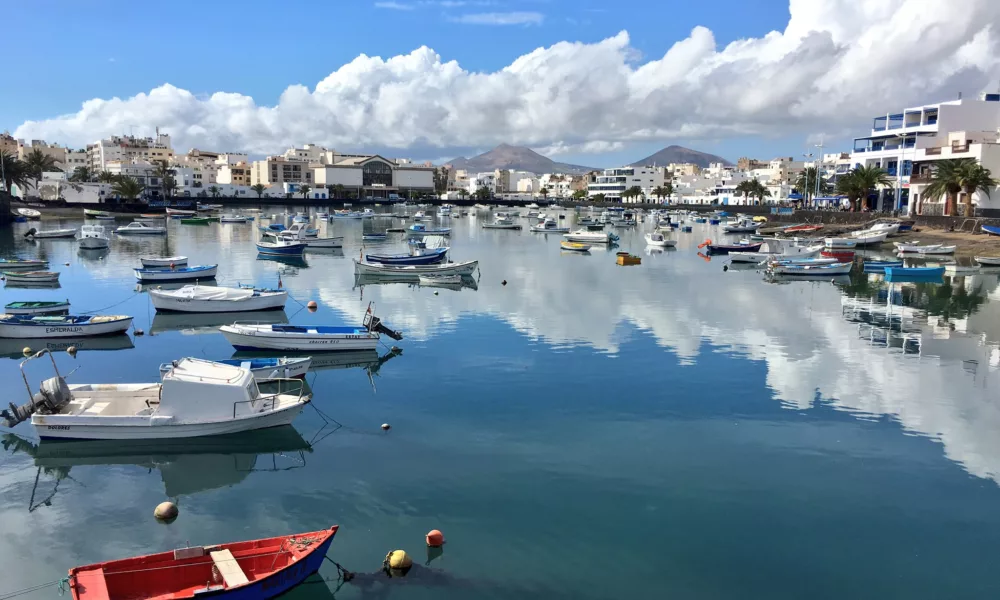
(981, 146)
(683, 169)
(8, 145)
(126, 148)
(233, 174)
(278, 170)
(612, 183)
(373, 176)
(55, 151)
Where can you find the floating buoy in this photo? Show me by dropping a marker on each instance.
(504, 282)
(137, 331)
(725, 268)
(165, 511)
(386, 427)
(66, 264)
(398, 559)
(173, 266)
(26, 351)
(435, 293)
(312, 305)
(71, 350)
(435, 539)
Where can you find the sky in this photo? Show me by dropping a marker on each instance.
(582, 81)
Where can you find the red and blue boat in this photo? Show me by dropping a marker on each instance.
(421, 257)
(250, 570)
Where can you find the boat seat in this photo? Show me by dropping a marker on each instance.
(91, 584)
(230, 570)
(96, 408)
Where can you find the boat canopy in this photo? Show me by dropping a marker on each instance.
(200, 390)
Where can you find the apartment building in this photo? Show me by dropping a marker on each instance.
(127, 148)
(279, 170)
(612, 183)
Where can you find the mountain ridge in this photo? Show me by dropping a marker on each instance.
(517, 158)
(680, 154)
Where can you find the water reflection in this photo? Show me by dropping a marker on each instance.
(193, 323)
(13, 347)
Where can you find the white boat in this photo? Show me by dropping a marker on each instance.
(549, 225)
(264, 369)
(870, 238)
(93, 237)
(163, 261)
(434, 280)
(209, 299)
(590, 237)
(912, 246)
(310, 338)
(936, 249)
(988, 261)
(300, 232)
(181, 212)
(891, 229)
(501, 223)
(140, 228)
(50, 233)
(803, 261)
(31, 276)
(844, 243)
(235, 219)
(742, 226)
(195, 398)
(415, 271)
(659, 240)
(420, 216)
(812, 269)
(444, 211)
(37, 307)
(961, 269)
(27, 326)
(176, 273)
(29, 213)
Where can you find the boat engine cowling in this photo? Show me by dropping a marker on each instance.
(30, 232)
(52, 395)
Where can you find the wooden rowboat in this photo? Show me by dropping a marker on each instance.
(251, 570)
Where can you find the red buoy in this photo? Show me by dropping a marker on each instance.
(435, 539)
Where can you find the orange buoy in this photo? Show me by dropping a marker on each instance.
(705, 243)
(312, 305)
(435, 539)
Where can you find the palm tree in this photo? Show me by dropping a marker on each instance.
(805, 183)
(338, 190)
(745, 189)
(15, 172)
(544, 192)
(304, 190)
(82, 174)
(166, 175)
(106, 177)
(975, 178)
(947, 180)
(259, 188)
(214, 190)
(599, 198)
(462, 193)
(483, 193)
(579, 194)
(127, 187)
(38, 162)
(633, 192)
(861, 182)
(759, 190)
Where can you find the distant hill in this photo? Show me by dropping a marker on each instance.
(680, 154)
(517, 158)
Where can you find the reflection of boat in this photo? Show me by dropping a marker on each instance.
(435, 280)
(913, 273)
(812, 269)
(264, 367)
(658, 239)
(37, 307)
(988, 261)
(191, 323)
(363, 280)
(29, 213)
(89, 212)
(13, 347)
(164, 261)
(296, 261)
(323, 361)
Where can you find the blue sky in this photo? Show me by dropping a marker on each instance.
(103, 49)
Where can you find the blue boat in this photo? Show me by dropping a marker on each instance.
(176, 273)
(700, 220)
(273, 228)
(991, 230)
(714, 221)
(281, 247)
(879, 266)
(421, 229)
(913, 273)
(428, 257)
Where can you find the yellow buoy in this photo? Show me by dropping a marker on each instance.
(165, 511)
(26, 351)
(71, 350)
(399, 559)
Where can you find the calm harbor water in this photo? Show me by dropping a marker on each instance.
(586, 431)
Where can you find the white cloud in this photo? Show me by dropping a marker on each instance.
(836, 63)
(500, 18)
(393, 5)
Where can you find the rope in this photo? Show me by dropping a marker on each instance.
(41, 586)
(106, 308)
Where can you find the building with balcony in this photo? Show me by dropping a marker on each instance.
(612, 183)
(54, 151)
(278, 170)
(233, 174)
(125, 149)
(983, 147)
(896, 137)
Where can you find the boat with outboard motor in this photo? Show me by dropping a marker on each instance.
(319, 338)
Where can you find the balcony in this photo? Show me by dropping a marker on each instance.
(920, 178)
(957, 148)
(932, 151)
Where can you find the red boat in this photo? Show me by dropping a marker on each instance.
(251, 570)
(841, 255)
(806, 228)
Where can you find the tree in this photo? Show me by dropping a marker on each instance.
(579, 194)
(483, 193)
(544, 192)
(259, 188)
(106, 177)
(82, 174)
(214, 190)
(38, 162)
(15, 172)
(304, 190)
(806, 184)
(440, 180)
(633, 192)
(745, 189)
(975, 178)
(860, 182)
(338, 190)
(462, 193)
(759, 191)
(166, 175)
(598, 197)
(127, 187)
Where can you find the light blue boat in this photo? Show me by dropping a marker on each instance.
(913, 273)
(421, 229)
(879, 266)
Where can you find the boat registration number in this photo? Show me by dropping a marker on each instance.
(58, 427)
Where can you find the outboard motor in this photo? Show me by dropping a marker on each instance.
(30, 233)
(373, 323)
(52, 395)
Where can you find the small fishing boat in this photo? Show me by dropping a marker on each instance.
(153, 216)
(105, 218)
(870, 238)
(988, 261)
(176, 273)
(208, 207)
(17, 264)
(840, 255)
(990, 229)
(905, 273)
(812, 269)
(590, 237)
(312, 338)
(251, 570)
(31, 276)
(263, 368)
(424, 257)
(93, 237)
(300, 219)
(890, 229)
(195, 398)
(419, 229)
(140, 228)
(90, 212)
(913, 246)
(208, 299)
(501, 223)
(37, 307)
(801, 261)
(374, 237)
(235, 219)
(437, 280)
(163, 261)
(574, 246)
(659, 240)
(840, 242)
(195, 221)
(936, 249)
(415, 271)
(28, 326)
(345, 214)
(29, 213)
(879, 266)
(742, 226)
(956, 269)
(803, 228)
(549, 226)
(727, 248)
(300, 232)
(181, 212)
(281, 247)
(50, 233)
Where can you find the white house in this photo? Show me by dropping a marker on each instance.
(983, 147)
(612, 183)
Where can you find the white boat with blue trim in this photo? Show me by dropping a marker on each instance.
(311, 338)
(263, 368)
(176, 273)
(32, 326)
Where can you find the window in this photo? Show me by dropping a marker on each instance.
(376, 173)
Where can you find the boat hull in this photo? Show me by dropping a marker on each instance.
(283, 250)
(54, 234)
(265, 340)
(36, 308)
(93, 243)
(415, 271)
(724, 249)
(163, 302)
(430, 258)
(146, 275)
(988, 261)
(990, 230)
(31, 277)
(47, 429)
(168, 261)
(55, 330)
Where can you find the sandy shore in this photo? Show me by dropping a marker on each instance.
(968, 244)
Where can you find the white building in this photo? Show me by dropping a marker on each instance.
(76, 159)
(983, 147)
(612, 183)
(896, 137)
(372, 176)
(128, 148)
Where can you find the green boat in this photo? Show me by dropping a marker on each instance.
(36, 308)
(195, 221)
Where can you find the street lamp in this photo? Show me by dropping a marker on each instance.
(806, 187)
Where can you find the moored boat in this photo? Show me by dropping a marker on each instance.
(573, 246)
(840, 242)
(936, 249)
(235, 219)
(140, 228)
(659, 240)
(263, 368)
(438, 280)
(181, 212)
(956, 269)
(590, 237)
(319, 338)
(207, 299)
(281, 247)
(908, 273)
(990, 229)
(988, 261)
(163, 261)
(28, 326)
(37, 307)
(176, 273)
(803, 228)
(727, 248)
(93, 237)
(301, 232)
(414, 271)
(913, 246)
(196, 220)
(419, 257)
(870, 238)
(419, 229)
(50, 233)
(549, 226)
(31, 276)
(501, 223)
(840, 255)
(29, 213)
(812, 269)
(17, 264)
